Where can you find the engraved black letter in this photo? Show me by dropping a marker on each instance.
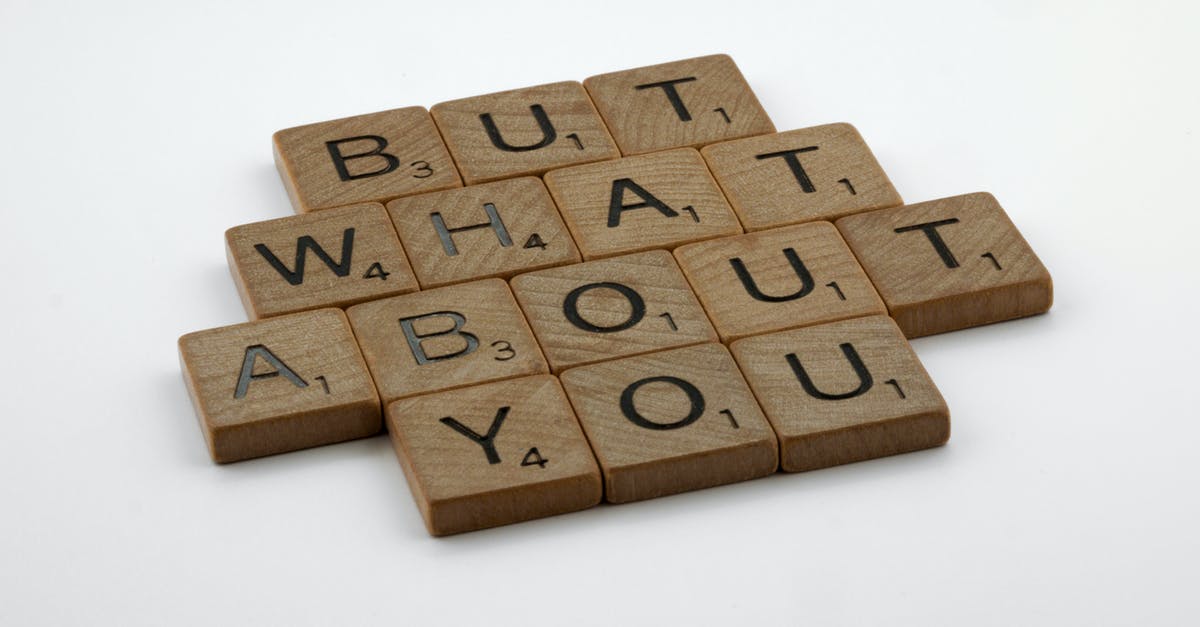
(296, 277)
(636, 304)
(935, 238)
(695, 402)
(539, 114)
(668, 88)
(486, 441)
(339, 160)
(616, 201)
(415, 339)
(789, 156)
(806, 280)
(864, 376)
(494, 222)
(280, 368)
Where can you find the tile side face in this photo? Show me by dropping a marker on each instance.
(366, 158)
(949, 264)
(692, 102)
(843, 392)
(279, 385)
(493, 454)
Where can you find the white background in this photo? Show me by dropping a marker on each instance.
(134, 134)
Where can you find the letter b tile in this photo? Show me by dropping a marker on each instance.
(445, 338)
(843, 392)
(493, 454)
(671, 421)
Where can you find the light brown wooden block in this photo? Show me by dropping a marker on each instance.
(366, 158)
(493, 454)
(641, 203)
(523, 131)
(611, 308)
(843, 392)
(490, 230)
(779, 279)
(445, 338)
(949, 264)
(819, 173)
(671, 421)
(279, 385)
(682, 103)
(331, 258)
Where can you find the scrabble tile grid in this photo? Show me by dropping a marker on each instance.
(474, 507)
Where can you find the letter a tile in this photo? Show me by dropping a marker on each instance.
(949, 264)
(616, 307)
(479, 231)
(366, 158)
(445, 338)
(523, 131)
(692, 102)
(843, 392)
(778, 279)
(493, 454)
(279, 385)
(671, 421)
(330, 258)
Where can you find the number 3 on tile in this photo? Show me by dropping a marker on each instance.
(505, 351)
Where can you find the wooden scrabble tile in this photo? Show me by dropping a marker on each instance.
(331, 258)
(523, 131)
(818, 173)
(683, 103)
(493, 454)
(490, 230)
(949, 264)
(366, 158)
(279, 385)
(611, 308)
(779, 279)
(843, 392)
(445, 338)
(671, 421)
(641, 203)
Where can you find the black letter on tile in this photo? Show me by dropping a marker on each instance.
(789, 156)
(415, 339)
(494, 222)
(303, 244)
(486, 441)
(935, 238)
(636, 304)
(668, 88)
(339, 159)
(253, 353)
(616, 201)
(539, 114)
(695, 402)
(806, 280)
(865, 381)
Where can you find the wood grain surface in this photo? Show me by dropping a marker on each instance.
(949, 264)
(641, 203)
(819, 173)
(454, 236)
(330, 258)
(778, 279)
(445, 338)
(523, 131)
(671, 421)
(890, 407)
(692, 102)
(380, 156)
(522, 456)
(616, 307)
(279, 385)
